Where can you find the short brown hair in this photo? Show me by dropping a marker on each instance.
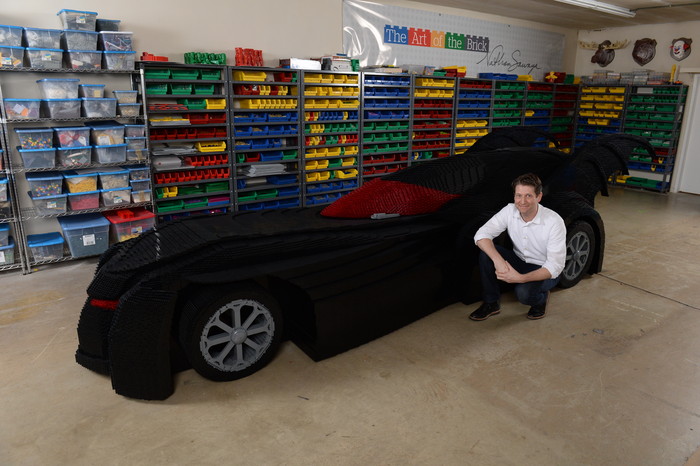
(529, 179)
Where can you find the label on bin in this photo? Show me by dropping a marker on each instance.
(137, 230)
(89, 240)
(46, 56)
(117, 199)
(104, 140)
(81, 19)
(51, 205)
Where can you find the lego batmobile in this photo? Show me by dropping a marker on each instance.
(220, 293)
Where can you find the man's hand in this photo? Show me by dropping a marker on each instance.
(508, 274)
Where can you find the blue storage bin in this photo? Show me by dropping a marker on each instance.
(49, 205)
(46, 246)
(42, 38)
(35, 138)
(86, 234)
(4, 233)
(3, 189)
(7, 252)
(10, 36)
(45, 184)
(281, 179)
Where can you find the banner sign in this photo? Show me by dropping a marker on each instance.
(378, 34)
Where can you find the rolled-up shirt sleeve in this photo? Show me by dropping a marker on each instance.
(556, 247)
(495, 225)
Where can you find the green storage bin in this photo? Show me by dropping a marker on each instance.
(249, 196)
(267, 193)
(214, 187)
(196, 204)
(179, 89)
(156, 73)
(193, 104)
(213, 75)
(156, 89)
(289, 155)
(170, 206)
(184, 74)
(204, 89)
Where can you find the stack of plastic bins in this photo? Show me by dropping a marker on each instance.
(86, 235)
(129, 223)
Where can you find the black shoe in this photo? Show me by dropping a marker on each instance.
(485, 311)
(538, 312)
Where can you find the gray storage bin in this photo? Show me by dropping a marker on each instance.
(42, 38)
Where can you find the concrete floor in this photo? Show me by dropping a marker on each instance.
(609, 377)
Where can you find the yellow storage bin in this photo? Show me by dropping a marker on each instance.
(258, 76)
(219, 146)
(264, 90)
(249, 103)
(322, 176)
(310, 116)
(313, 165)
(312, 77)
(352, 79)
(312, 176)
(616, 90)
(323, 163)
(339, 78)
(586, 105)
(351, 150)
(348, 103)
(326, 78)
(421, 93)
(334, 91)
(333, 151)
(343, 174)
(215, 104)
(348, 161)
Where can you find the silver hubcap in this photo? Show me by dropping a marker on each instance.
(577, 252)
(237, 335)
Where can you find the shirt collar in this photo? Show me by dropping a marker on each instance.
(538, 216)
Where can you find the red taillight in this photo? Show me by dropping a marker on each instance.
(104, 304)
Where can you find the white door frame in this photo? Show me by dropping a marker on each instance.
(682, 179)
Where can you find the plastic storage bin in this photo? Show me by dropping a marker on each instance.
(38, 158)
(72, 156)
(135, 143)
(99, 108)
(45, 184)
(139, 185)
(118, 60)
(141, 196)
(60, 108)
(86, 234)
(125, 97)
(107, 24)
(84, 59)
(73, 136)
(138, 172)
(49, 205)
(134, 131)
(42, 38)
(110, 154)
(80, 181)
(3, 189)
(45, 59)
(116, 41)
(113, 178)
(129, 110)
(10, 35)
(11, 56)
(79, 40)
(136, 155)
(46, 246)
(35, 138)
(107, 135)
(58, 88)
(129, 223)
(22, 109)
(7, 252)
(84, 201)
(4, 234)
(95, 91)
(115, 197)
(78, 20)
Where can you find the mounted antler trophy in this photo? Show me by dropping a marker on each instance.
(605, 51)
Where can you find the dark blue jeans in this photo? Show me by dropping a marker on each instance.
(531, 293)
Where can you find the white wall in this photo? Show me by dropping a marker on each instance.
(662, 33)
(281, 28)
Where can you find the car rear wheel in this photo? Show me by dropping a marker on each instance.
(229, 334)
(580, 245)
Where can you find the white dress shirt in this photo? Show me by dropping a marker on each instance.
(541, 241)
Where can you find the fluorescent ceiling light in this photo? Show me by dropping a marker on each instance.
(601, 6)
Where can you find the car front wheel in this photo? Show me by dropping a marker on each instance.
(580, 246)
(228, 334)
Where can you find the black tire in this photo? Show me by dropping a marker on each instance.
(230, 313)
(580, 247)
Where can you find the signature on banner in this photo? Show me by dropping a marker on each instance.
(497, 57)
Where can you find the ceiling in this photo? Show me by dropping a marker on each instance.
(569, 16)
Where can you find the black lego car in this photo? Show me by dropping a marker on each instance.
(220, 293)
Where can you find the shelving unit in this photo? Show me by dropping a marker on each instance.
(26, 218)
(188, 132)
(9, 209)
(563, 115)
(264, 119)
(655, 112)
(509, 103)
(386, 123)
(432, 117)
(600, 111)
(331, 151)
(651, 111)
(473, 113)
